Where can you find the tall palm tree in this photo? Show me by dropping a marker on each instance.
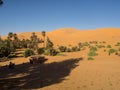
(15, 36)
(10, 34)
(44, 34)
(16, 40)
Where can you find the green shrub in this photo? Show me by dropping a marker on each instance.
(92, 48)
(68, 50)
(92, 53)
(90, 58)
(100, 46)
(108, 46)
(62, 48)
(28, 52)
(4, 51)
(40, 50)
(12, 56)
(60, 54)
(112, 51)
(93, 42)
(118, 44)
(85, 44)
(51, 52)
(119, 49)
(75, 48)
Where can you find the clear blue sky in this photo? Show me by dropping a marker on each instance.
(39, 15)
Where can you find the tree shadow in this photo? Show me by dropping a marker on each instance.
(36, 75)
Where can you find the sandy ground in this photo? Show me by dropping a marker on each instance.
(100, 74)
(64, 73)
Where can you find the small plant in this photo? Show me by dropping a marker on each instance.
(90, 58)
(62, 48)
(111, 51)
(28, 52)
(4, 51)
(100, 46)
(93, 42)
(75, 48)
(93, 48)
(108, 46)
(40, 50)
(80, 45)
(59, 54)
(104, 50)
(12, 56)
(92, 53)
(118, 44)
(104, 42)
(119, 49)
(85, 44)
(68, 50)
(69, 45)
(51, 52)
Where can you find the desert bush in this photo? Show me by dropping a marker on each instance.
(118, 44)
(119, 49)
(93, 42)
(75, 48)
(40, 50)
(62, 48)
(80, 45)
(112, 51)
(28, 52)
(4, 51)
(85, 44)
(90, 58)
(100, 46)
(60, 54)
(104, 50)
(11, 56)
(104, 42)
(68, 50)
(92, 53)
(108, 46)
(51, 52)
(92, 48)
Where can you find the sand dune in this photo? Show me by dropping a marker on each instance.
(71, 36)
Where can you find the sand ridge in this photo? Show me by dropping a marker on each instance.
(67, 36)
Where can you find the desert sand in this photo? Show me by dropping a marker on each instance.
(71, 36)
(72, 71)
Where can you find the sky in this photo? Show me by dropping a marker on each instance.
(46, 15)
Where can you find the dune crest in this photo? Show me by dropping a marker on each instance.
(67, 36)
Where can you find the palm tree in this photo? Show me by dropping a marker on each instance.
(15, 36)
(44, 34)
(10, 34)
(49, 43)
(16, 40)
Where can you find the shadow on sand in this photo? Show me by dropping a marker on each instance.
(36, 75)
